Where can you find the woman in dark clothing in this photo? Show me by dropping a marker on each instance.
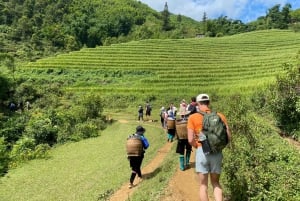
(136, 157)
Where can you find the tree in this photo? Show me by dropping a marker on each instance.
(295, 16)
(279, 19)
(286, 14)
(204, 22)
(179, 18)
(166, 18)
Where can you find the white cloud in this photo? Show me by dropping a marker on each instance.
(245, 10)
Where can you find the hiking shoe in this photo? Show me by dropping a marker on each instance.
(130, 185)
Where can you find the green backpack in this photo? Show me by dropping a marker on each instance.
(215, 131)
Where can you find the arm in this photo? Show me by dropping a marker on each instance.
(228, 133)
(191, 139)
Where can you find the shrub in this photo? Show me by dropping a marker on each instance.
(259, 162)
(4, 157)
(285, 100)
(41, 130)
(41, 151)
(13, 128)
(86, 130)
(23, 150)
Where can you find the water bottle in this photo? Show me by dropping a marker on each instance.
(205, 144)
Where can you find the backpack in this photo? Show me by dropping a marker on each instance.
(136, 144)
(215, 131)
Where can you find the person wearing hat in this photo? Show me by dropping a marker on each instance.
(135, 160)
(210, 164)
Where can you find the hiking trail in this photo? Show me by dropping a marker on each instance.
(183, 186)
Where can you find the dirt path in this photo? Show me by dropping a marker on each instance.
(123, 193)
(183, 186)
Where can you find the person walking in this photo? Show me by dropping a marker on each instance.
(206, 164)
(171, 129)
(140, 113)
(163, 115)
(183, 148)
(136, 146)
(148, 109)
(182, 109)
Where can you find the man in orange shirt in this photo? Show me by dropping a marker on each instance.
(211, 163)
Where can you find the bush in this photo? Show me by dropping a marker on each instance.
(23, 150)
(259, 162)
(41, 151)
(4, 157)
(285, 100)
(42, 131)
(13, 127)
(86, 130)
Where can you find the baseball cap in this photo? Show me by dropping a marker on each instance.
(140, 130)
(202, 97)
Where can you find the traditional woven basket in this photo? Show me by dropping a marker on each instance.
(181, 128)
(134, 147)
(171, 124)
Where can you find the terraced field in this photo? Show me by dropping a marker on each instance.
(224, 65)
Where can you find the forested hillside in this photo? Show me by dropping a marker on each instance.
(32, 29)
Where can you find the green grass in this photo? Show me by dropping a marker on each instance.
(79, 171)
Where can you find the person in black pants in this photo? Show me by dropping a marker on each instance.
(136, 160)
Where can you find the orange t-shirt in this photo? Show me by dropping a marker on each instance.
(195, 122)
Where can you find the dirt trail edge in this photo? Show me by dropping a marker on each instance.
(124, 193)
(184, 185)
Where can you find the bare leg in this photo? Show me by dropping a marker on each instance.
(203, 179)
(217, 188)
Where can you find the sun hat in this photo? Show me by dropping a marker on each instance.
(140, 130)
(202, 97)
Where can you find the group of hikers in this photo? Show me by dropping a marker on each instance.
(197, 127)
(148, 110)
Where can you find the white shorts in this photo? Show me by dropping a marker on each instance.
(211, 163)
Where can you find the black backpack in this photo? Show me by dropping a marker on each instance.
(215, 130)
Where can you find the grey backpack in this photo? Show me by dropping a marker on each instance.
(215, 131)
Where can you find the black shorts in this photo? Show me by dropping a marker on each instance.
(182, 145)
(148, 112)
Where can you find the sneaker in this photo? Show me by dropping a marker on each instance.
(130, 185)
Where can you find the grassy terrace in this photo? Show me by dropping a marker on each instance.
(227, 64)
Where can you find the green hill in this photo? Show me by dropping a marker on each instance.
(181, 67)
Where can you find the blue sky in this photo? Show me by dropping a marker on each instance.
(245, 10)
